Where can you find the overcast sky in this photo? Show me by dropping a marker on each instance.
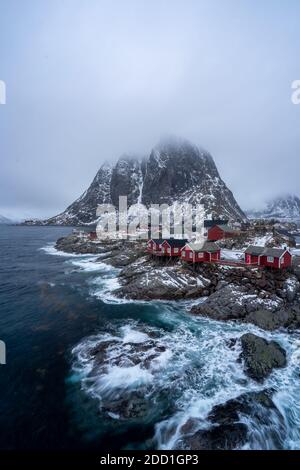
(89, 80)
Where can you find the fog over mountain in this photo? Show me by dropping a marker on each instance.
(88, 81)
(175, 172)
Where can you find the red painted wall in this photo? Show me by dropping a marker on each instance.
(197, 258)
(165, 246)
(186, 255)
(263, 261)
(287, 260)
(153, 246)
(215, 233)
(251, 259)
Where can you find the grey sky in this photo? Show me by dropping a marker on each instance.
(89, 80)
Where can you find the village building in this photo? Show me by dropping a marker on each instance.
(252, 254)
(221, 232)
(154, 245)
(278, 258)
(275, 258)
(173, 247)
(201, 252)
(92, 236)
(166, 246)
(209, 223)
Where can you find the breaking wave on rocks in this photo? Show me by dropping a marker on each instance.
(176, 375)
(51, 250)
(169, 370)
(105, 283)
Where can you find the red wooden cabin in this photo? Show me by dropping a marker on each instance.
(172, 247)
(221, 232)
(275, 258)
(278, 258)
(93, 235)
(154, 245)
(252, 254)
(201, 252)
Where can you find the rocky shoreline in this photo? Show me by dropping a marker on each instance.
(267, 299)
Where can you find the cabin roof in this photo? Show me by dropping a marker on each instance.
(275, 252)
(158, 241)
(265, 251)
(254, 250)
(210, 247)
(176, 242)
(214, 222)
(226, 228)
(173, 242)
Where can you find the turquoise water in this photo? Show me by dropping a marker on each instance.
(160, 366)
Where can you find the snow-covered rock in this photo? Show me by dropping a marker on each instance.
(281, 208)
(176, 172)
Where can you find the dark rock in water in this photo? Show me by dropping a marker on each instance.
(130, 406)
(226, 430)
(268, 320)
(223, 437)
(261, 356)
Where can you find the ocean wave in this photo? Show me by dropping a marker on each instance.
(140, 371)
(51, 250)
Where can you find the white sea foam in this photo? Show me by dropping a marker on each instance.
(51, 250)
(91, 265)
(198, 363)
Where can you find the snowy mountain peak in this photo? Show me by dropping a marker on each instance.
(175, 172)
(4, 220)
(281, 207)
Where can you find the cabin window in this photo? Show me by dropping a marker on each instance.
(191, 255)
(200, 255)
(270, 259)
(175, 250)
(183, 253)
(169, 250)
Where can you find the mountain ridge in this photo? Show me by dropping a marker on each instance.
(175, 172)
(283, 207)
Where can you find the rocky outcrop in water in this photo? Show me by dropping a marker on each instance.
(226, 430)
(261, 356)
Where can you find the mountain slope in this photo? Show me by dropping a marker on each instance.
(83, 210)
(4, 220)
(282, 207)
(178, 171)
(175, 172)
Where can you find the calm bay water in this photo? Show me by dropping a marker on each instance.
(162, 366)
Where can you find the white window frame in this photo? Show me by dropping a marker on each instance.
(201, 254)
(176, 250)
(169, 250)
(183, 253)
(191, 255)
(270, 259)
